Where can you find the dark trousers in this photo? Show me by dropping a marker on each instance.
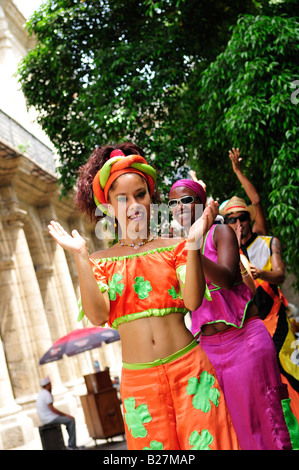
(70, 427)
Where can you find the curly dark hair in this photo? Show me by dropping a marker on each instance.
(84, 196)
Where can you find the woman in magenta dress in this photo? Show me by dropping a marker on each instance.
(234, 338)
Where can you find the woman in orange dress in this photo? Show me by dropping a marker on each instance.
(170, 393)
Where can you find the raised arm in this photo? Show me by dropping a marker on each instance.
(195, 283)
(225, 271)
(259, 225)
(95, 304)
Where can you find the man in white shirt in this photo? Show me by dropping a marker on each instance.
(49, 414)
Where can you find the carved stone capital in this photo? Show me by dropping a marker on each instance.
(14, 218)
(43, 271)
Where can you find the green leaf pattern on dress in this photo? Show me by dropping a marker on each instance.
(200, 441)
(154, 445)
(173, 293)
(142, 287)
(115, 287)
(136, 417)
(203, 392)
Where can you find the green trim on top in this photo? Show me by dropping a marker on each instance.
(207, 294)
(218, 288)
(103, 288)
(228, 323)
(181, 272)
(204, 242)
(152, 312)
(134, 255)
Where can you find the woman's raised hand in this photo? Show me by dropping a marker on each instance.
(73, 243)
(203, 224)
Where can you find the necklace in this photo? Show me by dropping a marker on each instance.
(136, 245)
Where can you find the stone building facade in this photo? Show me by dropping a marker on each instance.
(38, 280)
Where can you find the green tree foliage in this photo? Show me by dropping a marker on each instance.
(110, 70)
(247, 100)
(186, 80)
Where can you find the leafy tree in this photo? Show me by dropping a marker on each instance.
(110, 70)
(247, 100)
(184, 80)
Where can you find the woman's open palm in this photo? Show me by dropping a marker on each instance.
(204, 223)
(73, 243)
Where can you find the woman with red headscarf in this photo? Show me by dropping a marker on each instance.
(234, 338)
(170, 393)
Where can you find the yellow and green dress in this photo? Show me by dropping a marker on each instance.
(174, 402)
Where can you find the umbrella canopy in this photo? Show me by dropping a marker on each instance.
(79, 341)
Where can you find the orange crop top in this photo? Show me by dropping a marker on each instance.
(142, 284)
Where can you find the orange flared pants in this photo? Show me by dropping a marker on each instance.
(176, 404)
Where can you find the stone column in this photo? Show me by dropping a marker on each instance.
(19, 355)
(55, 318)
(66, 297)
(37, 237)
(24, 327)
(7, 401)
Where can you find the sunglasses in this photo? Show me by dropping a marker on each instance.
(183, 200)
(241, 218)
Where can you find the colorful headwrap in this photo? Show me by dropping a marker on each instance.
(196, 187)
(117, 165)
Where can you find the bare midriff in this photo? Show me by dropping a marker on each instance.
(151, 338)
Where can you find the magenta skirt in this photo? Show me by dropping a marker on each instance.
(246, 365)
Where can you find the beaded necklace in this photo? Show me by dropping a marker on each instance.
(135, 245)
